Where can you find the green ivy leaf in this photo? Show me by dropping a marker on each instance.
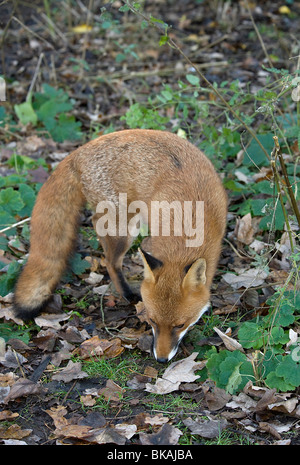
(251, 335)
(7, 280)
(230, 370)
(79, 265)
(11, 201)
(28, 197)
(273, 381)
(278, 336)
(289, 370)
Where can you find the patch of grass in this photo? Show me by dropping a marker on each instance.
(117, 370)
(170, 404)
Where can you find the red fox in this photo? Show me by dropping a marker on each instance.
(146, 167)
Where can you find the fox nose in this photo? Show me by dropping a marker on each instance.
(162, 359)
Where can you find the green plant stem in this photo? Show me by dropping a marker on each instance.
(287, 181)
(276, 178)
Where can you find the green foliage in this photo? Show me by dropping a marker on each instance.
(47, 110)
(139, 116)
(273, 364)
(10, 331)
(7, 278)
(230, 370)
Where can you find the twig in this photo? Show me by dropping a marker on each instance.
(259, 36)
(33, 33)
(15, 224)
(18, 362)
(35, 74)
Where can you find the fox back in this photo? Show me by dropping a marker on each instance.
(141, 176)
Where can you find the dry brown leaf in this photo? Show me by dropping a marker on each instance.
(242, 401)
(178, 372)
(14, 432)
(250, 278)
(112, 391)
(151, 372)
(207, 429)
(216, 398)
(115, 349)
(51, 320)
(24, 387)
(88, 401)
(230, 343)
(94, 347)
(285, 406)
(244, 230)
(126, 430)
(167, 435)
(267, 428)
(8, 415)
(156, 420)
(70, 372)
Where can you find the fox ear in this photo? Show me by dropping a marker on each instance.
(196, 274)
(150, 264)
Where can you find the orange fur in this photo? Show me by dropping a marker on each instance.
(148, 166)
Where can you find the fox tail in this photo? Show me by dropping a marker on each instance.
(54, 225)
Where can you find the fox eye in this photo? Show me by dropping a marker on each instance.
(179, 326)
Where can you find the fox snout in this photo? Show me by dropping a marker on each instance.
(166, 342)
(166, 339)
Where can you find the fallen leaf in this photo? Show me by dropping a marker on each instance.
(150, 371)
(94, 278)
(141, 312)
(215, 398)
(88, 401)
(207, 428)
(229, 342)
(72, 371)
(167, 435)
(156, 420)
(24, 387)
(8, 415)
(105, 436)
(101, 290)
(82, 28)
(112, 391)
(178, 372)
(242, 401)
(267, 428)
(250, 278)
(115, 349)
(284, 10)
(14, 432)
(94, 347)
(285, 406)
(51, 320)
(126, 430)
(244, 230)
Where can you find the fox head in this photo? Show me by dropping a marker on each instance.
(174, 301)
